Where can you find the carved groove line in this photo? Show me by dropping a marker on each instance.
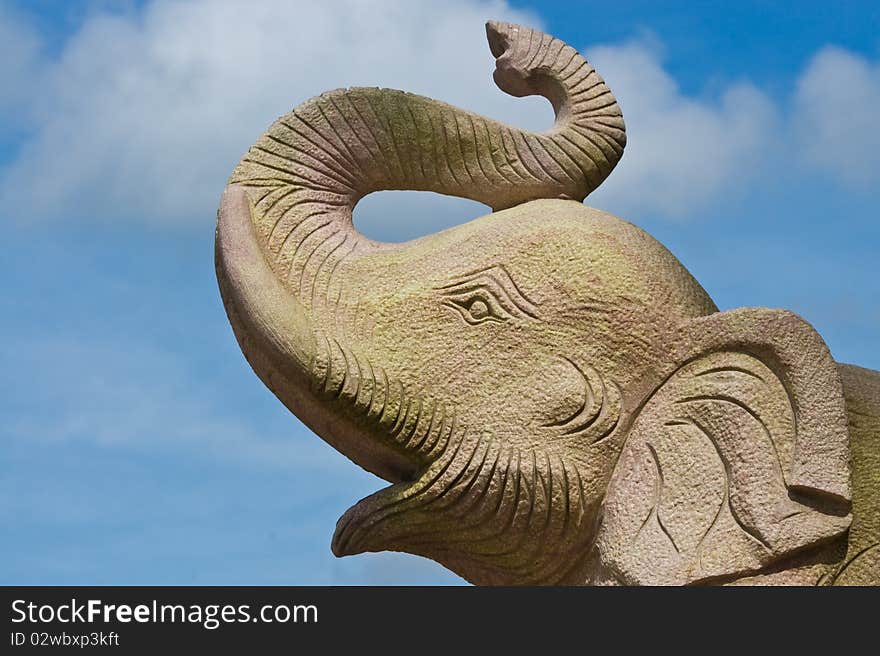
(419, 425)
(727, 478)
(659, 496)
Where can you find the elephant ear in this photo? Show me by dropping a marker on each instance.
(739, 458)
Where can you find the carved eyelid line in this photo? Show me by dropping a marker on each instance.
(506, 303)
(485, 280)
(502, 269)
(487, 271)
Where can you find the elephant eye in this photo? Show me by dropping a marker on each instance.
(478, 307)
(487, 295)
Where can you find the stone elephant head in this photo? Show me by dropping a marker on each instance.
(550, 393)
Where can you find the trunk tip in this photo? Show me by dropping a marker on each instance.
(496, 33)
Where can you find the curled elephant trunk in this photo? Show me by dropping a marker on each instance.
(260, 308)
(285, 346)
(306, 173)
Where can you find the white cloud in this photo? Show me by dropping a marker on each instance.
(682, 153)
(837, 111)
(143, 115)
(146, 115)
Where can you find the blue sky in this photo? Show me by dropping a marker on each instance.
(137, 447)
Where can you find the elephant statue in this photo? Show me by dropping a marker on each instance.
(551, 395)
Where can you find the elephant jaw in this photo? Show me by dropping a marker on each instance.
(493, 513)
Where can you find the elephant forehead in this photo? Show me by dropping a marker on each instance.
(557, 254)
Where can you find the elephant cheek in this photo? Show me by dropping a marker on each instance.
(556, 393)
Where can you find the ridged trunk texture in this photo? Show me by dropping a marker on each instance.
(306, 173)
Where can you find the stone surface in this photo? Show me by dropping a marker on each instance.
(552, 396)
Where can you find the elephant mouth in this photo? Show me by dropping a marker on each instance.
(356, 529)
(379, 455)
(393, 431)
(379, 521)
(437, 462)
(403, 435)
